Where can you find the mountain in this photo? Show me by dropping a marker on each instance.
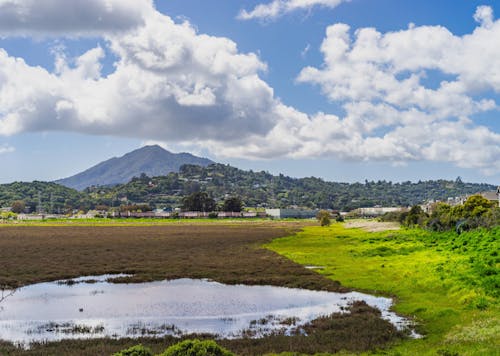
(150, 160)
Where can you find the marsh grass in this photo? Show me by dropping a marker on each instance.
(228, 254)
(225, 253)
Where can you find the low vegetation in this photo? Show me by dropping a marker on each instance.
(476, 212)
(448, 283)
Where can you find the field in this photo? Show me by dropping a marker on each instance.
(449, 283)
(229, 252)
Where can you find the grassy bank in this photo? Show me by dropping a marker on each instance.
(448, 283)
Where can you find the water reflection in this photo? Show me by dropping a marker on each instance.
(91, 307)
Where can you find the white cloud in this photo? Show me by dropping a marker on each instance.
(6, 149)
(169, 83)
(278, 8)
(381, 81)
(70, 18)
(174, 85)
(484, 15)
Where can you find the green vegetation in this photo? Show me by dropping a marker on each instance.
(476, 212)
(199, 201)
(323, 217)
(54, 198)
(254, 189)
(196, 348)
(263, 189)
(449, 283)
(137, 350)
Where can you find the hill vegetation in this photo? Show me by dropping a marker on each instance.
(218, 181)
(261, 189)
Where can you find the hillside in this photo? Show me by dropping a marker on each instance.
(150, 160)
(53, 198)
(265, 190)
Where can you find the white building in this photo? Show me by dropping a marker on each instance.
(291, 213)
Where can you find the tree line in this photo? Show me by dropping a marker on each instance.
(218, 182)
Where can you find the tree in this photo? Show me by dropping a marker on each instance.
(233, 204)
(323, 217)
(476, 206)
(199, 201)
(416, 216)
(18, 206)
(137, 350)
(196, 348)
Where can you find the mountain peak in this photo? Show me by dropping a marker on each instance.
(152, 160)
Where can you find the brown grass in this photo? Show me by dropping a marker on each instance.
(228, 254)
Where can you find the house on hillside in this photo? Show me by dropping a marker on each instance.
(493, 196)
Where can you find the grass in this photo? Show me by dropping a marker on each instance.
(230, 253)
(448, 283)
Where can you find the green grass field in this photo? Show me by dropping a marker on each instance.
(448, 283)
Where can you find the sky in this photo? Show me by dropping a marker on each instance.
(345, 90)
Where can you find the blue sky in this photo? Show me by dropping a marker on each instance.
(343, 90)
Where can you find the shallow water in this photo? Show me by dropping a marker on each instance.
(79, 309)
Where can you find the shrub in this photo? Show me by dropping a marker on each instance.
(196, 347)
(137, 350)
(323, 217)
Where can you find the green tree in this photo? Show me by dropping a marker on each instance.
(18, 206)
(416, 216)
(476, 206)
(199, 201)
(233, 204)
(137, 350)
(323, 217)
(196, 348)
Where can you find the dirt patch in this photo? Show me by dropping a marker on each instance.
(372, 225)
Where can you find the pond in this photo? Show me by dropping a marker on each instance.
(90, 307)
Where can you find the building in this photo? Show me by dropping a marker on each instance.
(493, 196)
(375, 211)
(292, 213)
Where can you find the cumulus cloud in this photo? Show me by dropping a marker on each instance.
(169, 83)
(382, 81)
(70, 18)
(278, 8)
(172, 84)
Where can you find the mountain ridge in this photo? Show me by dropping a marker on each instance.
(151, 160)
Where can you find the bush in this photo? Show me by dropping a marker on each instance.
(137, 350)
(196, 348)
(323, 217)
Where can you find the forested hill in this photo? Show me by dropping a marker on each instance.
(256, 189)
(43, 196)
(265, 190)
